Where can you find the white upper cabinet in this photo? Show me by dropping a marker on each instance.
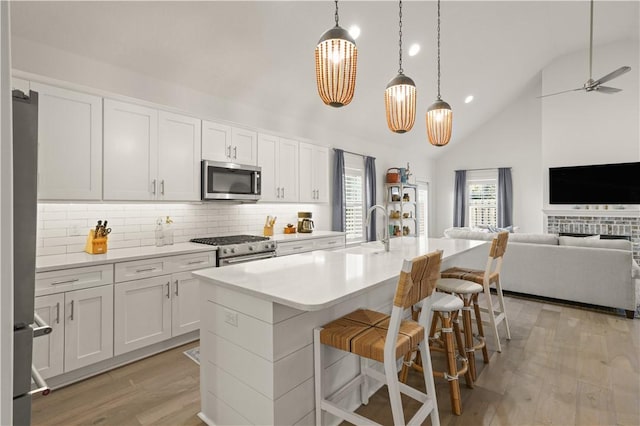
(228, 144)
(178, 157)
(245, 146)
(130, 151)
(268, 161)
(150, 154)
(69, 144)
(216, 141)
(288, 170)
(314, 173)
(278, 158)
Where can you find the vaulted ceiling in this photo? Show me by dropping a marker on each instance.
(261, 53)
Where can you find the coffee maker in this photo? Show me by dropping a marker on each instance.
(305, 224)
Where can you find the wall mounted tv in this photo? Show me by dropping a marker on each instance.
(595, 184)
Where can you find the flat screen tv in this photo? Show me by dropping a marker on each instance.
(595, 184)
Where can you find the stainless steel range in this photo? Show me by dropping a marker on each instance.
(236, 249)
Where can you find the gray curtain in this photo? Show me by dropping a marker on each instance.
(505, 197)
(460, 198)
(370, 193)
(338, 214)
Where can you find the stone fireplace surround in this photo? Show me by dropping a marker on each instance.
(611, 224)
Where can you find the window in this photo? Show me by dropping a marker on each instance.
(354, 198)
(482, 197)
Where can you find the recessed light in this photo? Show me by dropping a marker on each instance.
(354, 31)
(468, 99)
(414, 49)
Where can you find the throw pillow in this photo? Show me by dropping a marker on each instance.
(496, 229)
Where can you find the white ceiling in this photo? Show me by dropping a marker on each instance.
(261, 53)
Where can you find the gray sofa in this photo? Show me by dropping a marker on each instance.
(593, 271)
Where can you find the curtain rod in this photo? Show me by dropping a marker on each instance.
(475, 170)
(353, 153)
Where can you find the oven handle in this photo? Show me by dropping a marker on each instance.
(242, 259)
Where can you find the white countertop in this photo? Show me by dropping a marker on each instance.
(319, 279)
(298, 236)
(74, 260)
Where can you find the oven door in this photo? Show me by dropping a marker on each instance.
(248, 258)
(229, 181)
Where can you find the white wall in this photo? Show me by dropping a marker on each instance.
(510, 139)
(6, 224)
(389, 150)
(531, 135)
(591, 128)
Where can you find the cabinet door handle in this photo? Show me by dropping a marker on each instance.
(145, 270)
(278, 196)
(65, 281)
(228, 151)
(235, 152)
(168, 290)
(162, 187)
(195, 262)
(283, 192)
(177, 288)
(297, 248)
(71, 316)
(153, 183)
(58, 313)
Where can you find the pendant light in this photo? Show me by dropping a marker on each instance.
(400, 96)
(439, 115)
(336, 63)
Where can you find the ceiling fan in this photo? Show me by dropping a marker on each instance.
(595, 85)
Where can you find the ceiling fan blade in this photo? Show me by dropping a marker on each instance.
(605, 89)
(612, 75)
(559, 93)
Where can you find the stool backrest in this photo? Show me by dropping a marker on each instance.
(418, 279)
(496, 253)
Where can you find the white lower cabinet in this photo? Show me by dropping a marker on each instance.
(300, 246)
(142, 313)
(151, 310)
(185, 305)
(88, 326)
(48, 349)
(82, 330)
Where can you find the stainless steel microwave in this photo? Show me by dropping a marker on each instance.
(230, 181)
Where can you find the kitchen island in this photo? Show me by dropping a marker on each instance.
(257, 323)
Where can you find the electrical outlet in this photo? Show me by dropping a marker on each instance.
(75, 230)
(231, 317)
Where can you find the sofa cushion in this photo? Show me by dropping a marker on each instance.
(549, 239)
(467, 234)
(585, 242)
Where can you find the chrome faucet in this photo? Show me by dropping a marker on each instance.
(385, 232)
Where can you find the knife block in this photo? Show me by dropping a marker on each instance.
(95, 245)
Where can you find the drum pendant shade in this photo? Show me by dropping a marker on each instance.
(336, 64)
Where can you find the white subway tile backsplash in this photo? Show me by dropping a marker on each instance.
(46, 251)
(51, 233)
(53, 215)
(62, 228)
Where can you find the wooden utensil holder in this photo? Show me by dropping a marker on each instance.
(95, 245)
(268, 231)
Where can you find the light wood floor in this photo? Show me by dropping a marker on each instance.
(564, 365)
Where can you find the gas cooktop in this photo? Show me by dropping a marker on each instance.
(228, 240)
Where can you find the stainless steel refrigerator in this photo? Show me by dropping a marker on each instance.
(25, 179)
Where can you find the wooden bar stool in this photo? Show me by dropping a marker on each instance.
(444, 313)
(490, 276)
(466, 291)
(375, 336)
